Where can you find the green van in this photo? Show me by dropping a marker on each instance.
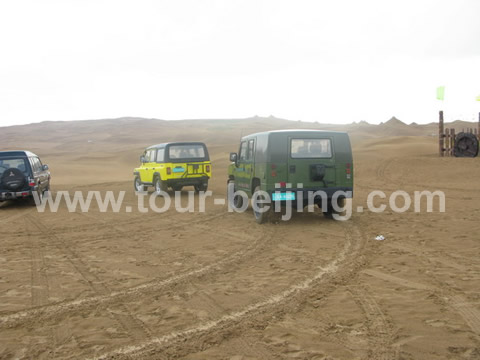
(292, 165)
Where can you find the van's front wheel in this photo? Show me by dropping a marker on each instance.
(260, 211)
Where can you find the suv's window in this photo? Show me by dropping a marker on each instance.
(13, 163)
(311, 148)
(160, 155)
(36, 165)
(191, 151)
(243, 150)
(251, 147)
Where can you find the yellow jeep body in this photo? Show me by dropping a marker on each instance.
(174, 165)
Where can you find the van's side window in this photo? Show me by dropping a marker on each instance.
(251, 148)
(243, 150)
(310, 148)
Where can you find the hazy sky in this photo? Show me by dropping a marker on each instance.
(326, 61)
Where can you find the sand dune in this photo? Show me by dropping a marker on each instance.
(218, 286)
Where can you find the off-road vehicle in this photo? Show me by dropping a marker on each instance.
(288, 164)
(21, 175)
(174, 165)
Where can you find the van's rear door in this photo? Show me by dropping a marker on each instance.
(311, 162)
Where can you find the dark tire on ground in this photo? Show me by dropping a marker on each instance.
(159, 185)
(201, 187)
(41, 198)
(237, 201)
(330, 210)
(466, 145)
(13, 179)
(137, 184)
(262, 217)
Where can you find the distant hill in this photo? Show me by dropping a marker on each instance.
(134, 132)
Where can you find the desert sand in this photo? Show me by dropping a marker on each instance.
(216, 285)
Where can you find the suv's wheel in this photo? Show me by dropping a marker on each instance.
(262, 217)
(201, 187)
(40, 200)
(138, 185)
(160, 186)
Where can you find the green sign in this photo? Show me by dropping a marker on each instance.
(440, 92)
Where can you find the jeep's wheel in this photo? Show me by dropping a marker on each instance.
(262, 216)
(160, 186)
(201, 187)
(138, 185)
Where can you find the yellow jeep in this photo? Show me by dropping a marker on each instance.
(174, 165)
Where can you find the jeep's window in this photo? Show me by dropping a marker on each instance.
(160, 155)
(311, 148)
(150, 156)
(19, 164)
(193, 151)
(251, 147)
(243, 150)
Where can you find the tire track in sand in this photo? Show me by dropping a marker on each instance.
(102, 300)
(133, 326)
(470, 314)
(379, 331)
(39, 278)
(343, 264)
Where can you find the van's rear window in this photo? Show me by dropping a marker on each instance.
(186, 152)
(311, 148)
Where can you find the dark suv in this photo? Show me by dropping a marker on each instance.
(21, 175)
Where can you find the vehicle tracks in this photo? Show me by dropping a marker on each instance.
(338, 270)
(133, 326)
(103, 297)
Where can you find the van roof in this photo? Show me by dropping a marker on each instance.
(175, 143)
(11, 153)
(296, 131)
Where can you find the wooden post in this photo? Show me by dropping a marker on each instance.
(447, 142)
(452, 147)
(440, 133)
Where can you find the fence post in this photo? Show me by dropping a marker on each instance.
(440, 133)
(447, 142)
(452, 147)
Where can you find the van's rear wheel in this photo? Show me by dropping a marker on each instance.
(138, 185)
(330, 210)
(262, 215)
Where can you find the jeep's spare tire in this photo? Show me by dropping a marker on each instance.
(466, 145)
(12, 179)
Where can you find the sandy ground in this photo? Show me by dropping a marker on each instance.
(215, 285)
